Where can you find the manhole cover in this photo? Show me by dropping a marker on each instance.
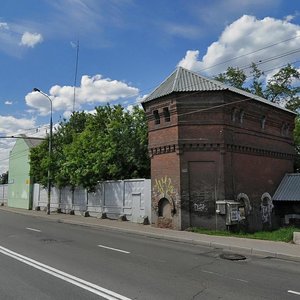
(232, 256)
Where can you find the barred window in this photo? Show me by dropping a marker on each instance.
(156, 117)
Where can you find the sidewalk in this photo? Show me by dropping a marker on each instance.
(243, 246)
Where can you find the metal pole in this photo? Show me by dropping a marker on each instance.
(50, 151)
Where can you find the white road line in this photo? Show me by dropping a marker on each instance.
(221, 275)
(114, 249)
(93, 288)
(32, 229)
(293, 292)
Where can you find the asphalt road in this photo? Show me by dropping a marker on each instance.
(42, 259)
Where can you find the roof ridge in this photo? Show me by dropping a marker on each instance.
(189, 81)
(176, 78)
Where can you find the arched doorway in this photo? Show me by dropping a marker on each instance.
(164, 213)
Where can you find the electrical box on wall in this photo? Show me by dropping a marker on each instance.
(233, 213)
(231, 210)
(221, 207)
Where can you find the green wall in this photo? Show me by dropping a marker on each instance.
(19, 183)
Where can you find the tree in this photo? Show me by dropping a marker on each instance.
(4, 178)
(233, 76)
(63, 136)
(256, 87)
(281, 88)
(110, 144)
(39, 163)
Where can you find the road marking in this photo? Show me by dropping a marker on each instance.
(114, 249)
(93, 288)
(293, 292)
(32, 229)
(221, 275)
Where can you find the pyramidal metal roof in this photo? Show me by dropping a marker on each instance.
(183, 80)
(289, 188)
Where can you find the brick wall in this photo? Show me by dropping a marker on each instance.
(215, 146)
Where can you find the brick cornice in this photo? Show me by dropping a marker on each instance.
(201, 147)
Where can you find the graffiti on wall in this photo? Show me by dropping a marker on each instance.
(164, 186)
(266, 208)
(164, 189)
(245, 208)
(200, 207)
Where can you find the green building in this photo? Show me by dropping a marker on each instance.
(20, 185)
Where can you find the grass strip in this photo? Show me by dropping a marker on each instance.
(284, 234)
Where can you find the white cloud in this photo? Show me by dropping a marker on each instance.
(39, 102)
(7, 102)
(10, 125)
(31, 39)
(14, 36)
(290, 18)
(93, 90)
(4, 26)
(241, 39)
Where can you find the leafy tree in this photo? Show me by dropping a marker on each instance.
(4, 178)
(67, 132)
(280, 88)
(63, 136)
(233, 76)
(256, 86)
(39, 162)
(110, 144)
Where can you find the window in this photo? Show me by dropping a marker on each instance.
(263, 122)
(167, 114)
(156, 117)
(285, 129)
(233, 115)
(242, 113)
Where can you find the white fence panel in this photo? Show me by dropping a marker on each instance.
(3, 193)
(96, 200)
(80, 200)
(66, 202)
(128, 197)
(113, 198)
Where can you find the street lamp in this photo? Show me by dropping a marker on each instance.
(50, 149)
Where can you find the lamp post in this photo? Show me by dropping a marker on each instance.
(50, 149)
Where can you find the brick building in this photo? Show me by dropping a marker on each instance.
(211, 144)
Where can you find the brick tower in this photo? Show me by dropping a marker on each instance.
(210, 142)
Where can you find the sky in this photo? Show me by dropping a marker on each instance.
(126, 48)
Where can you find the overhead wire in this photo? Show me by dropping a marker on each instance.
(249, 53)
